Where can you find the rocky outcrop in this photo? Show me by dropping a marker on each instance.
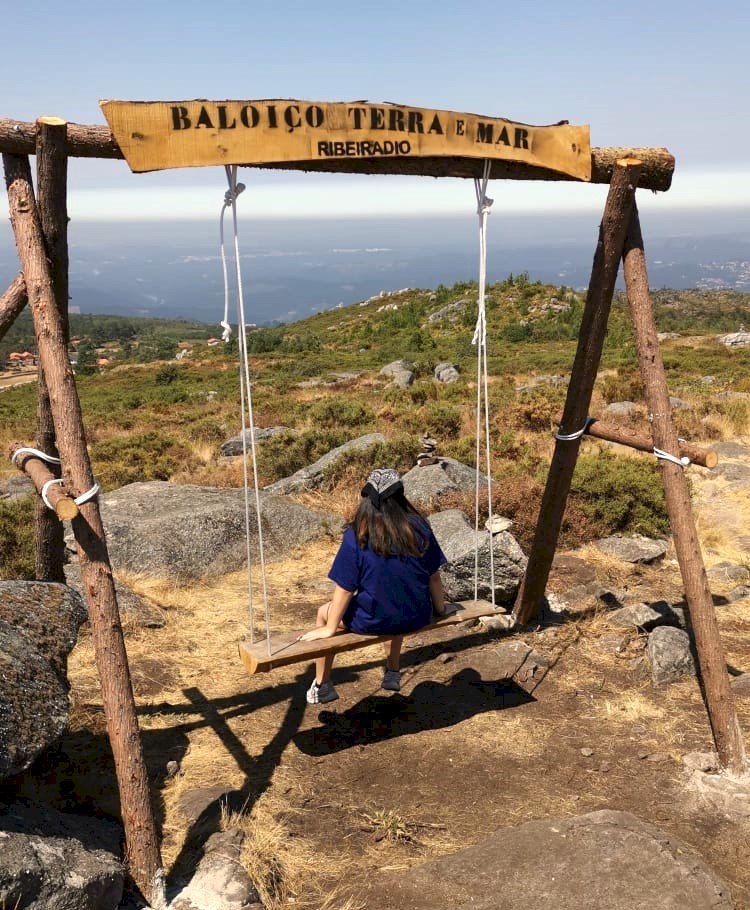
(632, 549)
(187, 532)
(313, 475)
(219, 882)
(38, 627)
(458, 540)
(233, 447)
(54, 861)
(588, 862)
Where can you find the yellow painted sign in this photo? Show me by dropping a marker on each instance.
(154, 135)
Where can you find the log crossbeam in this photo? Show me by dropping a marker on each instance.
(64, 506)
(92, 141)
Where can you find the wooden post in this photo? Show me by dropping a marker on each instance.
(52, 178)
(624, 436)
(590, 342)
(716, 689)
(65, 507)
(96, 572)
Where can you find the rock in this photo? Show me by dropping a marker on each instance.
(450, 310)
(604, 859)
(510, 656)
(728, 572)
(172, 768)
(632, 549)
(313, 475)
(39, 625)
(403, 379)
(457, 539)
(132, 606)
(496, 524)
(736, 474)
(55, 861)
(532, 671)
(738, 593)
(220, 882)
(586, 752)
(657, 757)
(722, 794)
(446, 372)
(16, 487)
(667, 336)
(635, 616)
(191, 804)
(707, 380)
(741, 684)
(398, 366)
(233, 447)
(739, 339)
(731, 449)
(427, 484)
(701, 761)
(48, 614)
(499, 621)
(185, 532)
(621, 408)
(676, 403)
(669, 655)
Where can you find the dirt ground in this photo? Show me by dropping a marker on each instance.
(377, 782)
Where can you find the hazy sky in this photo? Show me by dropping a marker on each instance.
(664, 73)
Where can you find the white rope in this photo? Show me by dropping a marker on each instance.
(569, 437)
(484, 204)
(683, 462)
(43, 492)
(27, 450)
(89, 494)
(246, 400)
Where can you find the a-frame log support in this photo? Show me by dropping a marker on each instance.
(713, 668)
(52, 179)
(98, 585)
(593, 330)
(12, 303)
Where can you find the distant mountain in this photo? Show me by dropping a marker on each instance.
(293, 269)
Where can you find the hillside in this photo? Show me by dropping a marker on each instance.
(320, 378)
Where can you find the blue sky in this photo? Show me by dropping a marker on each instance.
(671, 74)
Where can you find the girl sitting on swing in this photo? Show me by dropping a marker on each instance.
(386, 576)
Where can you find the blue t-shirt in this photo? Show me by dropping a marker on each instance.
(391, 593)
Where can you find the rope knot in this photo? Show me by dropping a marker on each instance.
(484, 206)
(230, 197)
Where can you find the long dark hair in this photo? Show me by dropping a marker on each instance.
(395, 529)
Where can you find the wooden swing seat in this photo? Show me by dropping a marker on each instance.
(285, 649)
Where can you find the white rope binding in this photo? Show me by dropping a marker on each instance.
(246, 400)
(570, 437)
(484, 204)
(27, 450)
(89, 494)
(43, 492)
(683, 462)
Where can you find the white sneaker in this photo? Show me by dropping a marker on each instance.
(321, 694)
(391, 681)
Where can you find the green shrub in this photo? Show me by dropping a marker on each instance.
(341, 411)
(166, 374)
(621, 494)
(443, 420)
(139, 457)
(17, 539)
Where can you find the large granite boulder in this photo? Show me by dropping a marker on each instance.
(458, 541)
(54, 861)
(38, 627)
(313, 475)
(603, 859)
(188, 532)
(428, 484)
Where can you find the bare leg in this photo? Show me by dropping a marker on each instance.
(393, 652)
(323, 665)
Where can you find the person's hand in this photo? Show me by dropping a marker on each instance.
(316, 634)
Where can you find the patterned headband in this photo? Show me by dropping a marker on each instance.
(381, 484)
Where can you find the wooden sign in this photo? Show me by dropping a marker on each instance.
(154, 135)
